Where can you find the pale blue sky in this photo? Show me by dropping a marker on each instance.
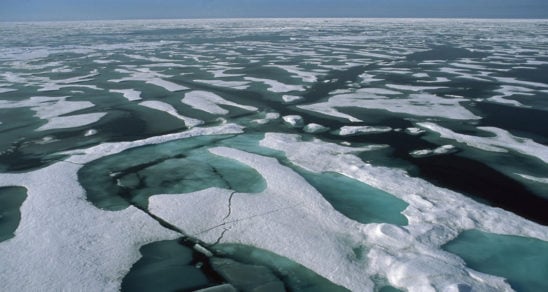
(130, 9)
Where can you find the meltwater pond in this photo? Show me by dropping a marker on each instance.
(131, 177)
(523, 261)
(11, 199)
(333, 154)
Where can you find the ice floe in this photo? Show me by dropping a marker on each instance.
(444, 149)
(77, 241)
(241, 85)
(129, 94)
(72, 121)
(543, 180)
(291, 98)
(167, 108)
(54, 109)
(435, 214)
(150, 77)
(413, 88)
(293, 120)
(414, 131)
(6, 90)
(420, 104)
(295, 71)
(267, 118)
(361, 130)
(315, 128)
(209, 102)
(90, 154)
(501, 141)
(409, 257)
(276, 86)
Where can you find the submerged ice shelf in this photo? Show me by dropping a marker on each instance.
(319, 158)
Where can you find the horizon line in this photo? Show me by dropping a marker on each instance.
(271, 17)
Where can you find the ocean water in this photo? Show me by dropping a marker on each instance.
(347, 154)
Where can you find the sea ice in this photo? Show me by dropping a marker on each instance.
(291, 208)
(413, 88)
(77, 241)
(150, 77)
(54, 109)
(305, 76)
(315, 128)
(362, 130)
(240, 85)
(414, 131)
(423, 104)
(129, 94)
(167, 108)
(276, 86)
(294, 120)
(6, 90)
(209, 102)
(502, 141)
(291, 98)
(444, 149)
(71, 121)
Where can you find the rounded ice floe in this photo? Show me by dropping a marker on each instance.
(267, 118)
(315, 128)
(361, 130)
(444, 149)
(414, 131)
(294, 120)
(90, 132)
(291, 98)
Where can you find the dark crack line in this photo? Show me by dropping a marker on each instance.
(229, 206)
(247, 218)
(221, 236)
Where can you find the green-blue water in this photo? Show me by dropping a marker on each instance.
(11, 199)
(523, 261)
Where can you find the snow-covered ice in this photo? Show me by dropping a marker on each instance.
(361, 130)
(129, 94)
(209, 102)
(63, 242)
(293, 120)
(421, 104)
(276, 86)
(502, 141)
(290, 208)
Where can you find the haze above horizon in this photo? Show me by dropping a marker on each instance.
(37, 10)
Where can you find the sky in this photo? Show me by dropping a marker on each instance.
(32, 10)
